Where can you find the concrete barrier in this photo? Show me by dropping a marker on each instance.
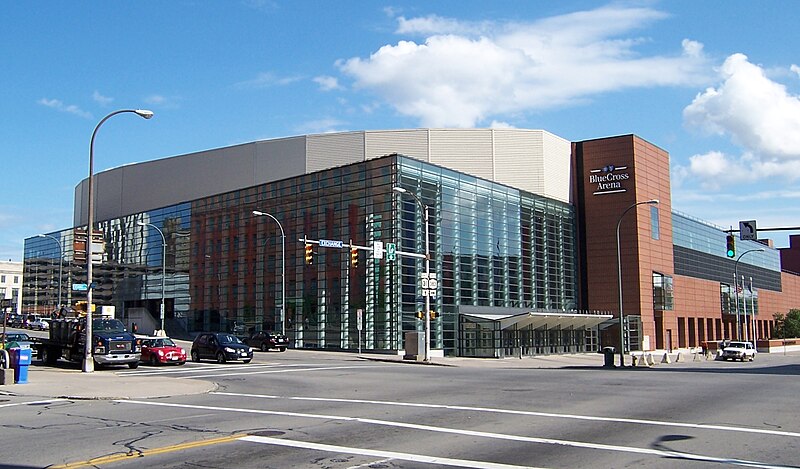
(665, 358)
(650, 360)
(678, 358)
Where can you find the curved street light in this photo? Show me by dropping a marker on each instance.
(402, 190)
(283, 267)
(60, 264)
(88, 361)
(736, 292)
(163, 267)
(619, 280)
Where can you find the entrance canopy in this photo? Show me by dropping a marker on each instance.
(518, 318)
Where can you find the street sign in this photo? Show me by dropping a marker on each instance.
(391, 251)
(359, 318)
(377, 249)
(747, 230)
(330, 243)
(80, 287)
(5, 303)
(428, 284)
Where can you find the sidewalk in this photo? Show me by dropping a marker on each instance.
(71, 383)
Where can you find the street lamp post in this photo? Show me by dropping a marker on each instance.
(402, 190)
(736, 290)
(619, 280)
(60, 264)
(163, 267)
(283, 268)
(88, 361)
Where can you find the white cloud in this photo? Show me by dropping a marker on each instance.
(434, 24)
(327, 83)
(100, 99)
(165, 102)
(794, 68)
(467, 73)
(756, 112)
(267, 80)
(321, 126)
(68, 108)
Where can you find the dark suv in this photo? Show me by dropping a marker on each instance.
(265, 340)
(220, 346)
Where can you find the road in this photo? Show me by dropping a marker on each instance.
(303, 409)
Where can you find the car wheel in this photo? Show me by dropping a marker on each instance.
(221, 358)
(246, 361)
(153, 360)
(281, 349)
(133, 365)
(180, 363)
(264, 347)
(195, 356)
(752, 357)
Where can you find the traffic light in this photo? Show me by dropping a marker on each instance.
(433, 314)
(354, 257)
(731, 243)
(309, 254)
(80, 306)
(420, 315)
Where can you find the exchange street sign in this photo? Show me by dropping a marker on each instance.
(330, 243)
(80, 287)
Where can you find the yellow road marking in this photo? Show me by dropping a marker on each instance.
(112, 458)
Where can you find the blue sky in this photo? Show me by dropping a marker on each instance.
(715, 83)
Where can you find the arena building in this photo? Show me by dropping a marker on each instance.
(524, 233)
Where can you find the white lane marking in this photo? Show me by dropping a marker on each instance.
(48, 401)
(294, 370)
(661, 423)
(384, 454)
(206, 368)
(498, 436)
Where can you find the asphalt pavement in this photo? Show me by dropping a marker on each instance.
(69, 382)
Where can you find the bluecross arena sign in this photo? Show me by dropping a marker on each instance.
(609, 179)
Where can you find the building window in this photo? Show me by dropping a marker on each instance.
(2, 279)
(662, 292)
(654, 224)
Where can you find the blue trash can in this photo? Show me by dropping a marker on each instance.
(20, 361)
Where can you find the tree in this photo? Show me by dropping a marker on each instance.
(788, 325)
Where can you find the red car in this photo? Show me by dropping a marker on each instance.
(158, 350)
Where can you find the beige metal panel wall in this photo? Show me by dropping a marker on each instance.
(465, 150)
(325, 151)
(412, 143)
(519, 159)
(557, 167)
(280, 159)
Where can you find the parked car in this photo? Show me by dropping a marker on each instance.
(39, 325)
(162, 350)
(739, 351)
(266, 340)
(220, 346)
(20, 338)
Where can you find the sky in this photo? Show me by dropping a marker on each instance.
(715, 83)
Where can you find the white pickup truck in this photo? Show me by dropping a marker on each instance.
(738, 351)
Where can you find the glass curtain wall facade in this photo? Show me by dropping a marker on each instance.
(491, 245)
